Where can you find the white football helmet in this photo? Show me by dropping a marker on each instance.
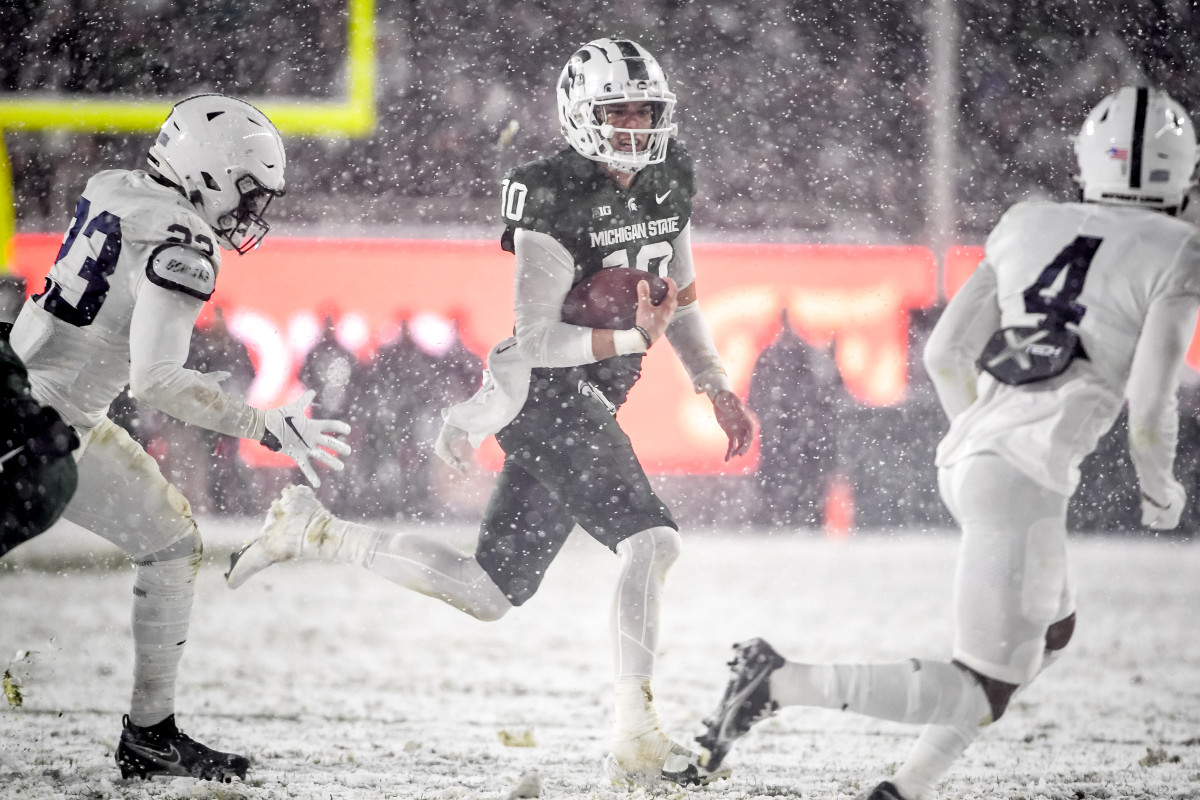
(608, 71)
(228, 159)
(1137, 147)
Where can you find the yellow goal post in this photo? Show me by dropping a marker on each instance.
(351, 116)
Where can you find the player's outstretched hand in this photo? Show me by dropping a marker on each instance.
(654, 319)
(737, 421)
(301, 438)
(452, 447)
(1163, 513)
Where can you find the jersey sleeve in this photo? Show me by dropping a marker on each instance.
(544, 276)
(683, 168)
(1186, 273)
(529, 199)
(682, 268)
(958, 338)
(182, 269)
(160, 333)
(1152, 388)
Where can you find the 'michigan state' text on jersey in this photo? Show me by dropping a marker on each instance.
(602, 224)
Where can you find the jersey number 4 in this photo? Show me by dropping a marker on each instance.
(1061, 308)
(78, 299)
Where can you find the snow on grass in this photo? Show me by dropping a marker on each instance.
(340, 685)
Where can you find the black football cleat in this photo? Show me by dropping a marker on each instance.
(747, 700)
(884, 791)
(163, 749)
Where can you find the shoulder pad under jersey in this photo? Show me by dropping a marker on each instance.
(531, 193)
(182, 269)
(679, 167)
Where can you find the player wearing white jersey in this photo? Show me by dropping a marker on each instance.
(1075, 309)
(134, 270)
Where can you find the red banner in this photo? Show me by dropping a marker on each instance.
(854, 298)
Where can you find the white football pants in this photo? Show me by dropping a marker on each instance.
(123, 497)
(1011, 582)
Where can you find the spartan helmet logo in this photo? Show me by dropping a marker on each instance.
(631, 203)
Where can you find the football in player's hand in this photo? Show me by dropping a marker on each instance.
(608, 298)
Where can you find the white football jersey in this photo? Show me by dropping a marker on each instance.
(74, 335)
(1101, 268)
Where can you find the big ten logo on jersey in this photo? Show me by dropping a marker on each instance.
(512, 199)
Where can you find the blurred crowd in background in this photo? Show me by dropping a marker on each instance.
(825, 461)
(808, 123)
(807, 120)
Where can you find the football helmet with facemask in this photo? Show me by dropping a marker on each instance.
(605, 72)
(1137, 147)
(228, 159)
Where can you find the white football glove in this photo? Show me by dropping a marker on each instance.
(1164, 514)
(300, 438)
(452, 447)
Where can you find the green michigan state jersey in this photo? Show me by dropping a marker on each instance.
(602, 224)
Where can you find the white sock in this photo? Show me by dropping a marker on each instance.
(938, 747)
(914, 691)
(634, 713)
(162, 607)
(343, 541)
(645, 559)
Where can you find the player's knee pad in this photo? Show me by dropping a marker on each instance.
(657, 547)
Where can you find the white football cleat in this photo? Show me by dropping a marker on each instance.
(650, 759)
(296, 525)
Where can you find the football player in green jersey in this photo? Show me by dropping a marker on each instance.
(37, 471)
(620, 196)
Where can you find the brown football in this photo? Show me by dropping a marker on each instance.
(608, 298)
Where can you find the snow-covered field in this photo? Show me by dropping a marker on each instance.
(340, 685)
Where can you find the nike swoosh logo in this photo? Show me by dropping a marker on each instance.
(10, 454)
(659, 198)
(292, 425)
(169, 757)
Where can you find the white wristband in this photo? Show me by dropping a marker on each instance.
(628, 342)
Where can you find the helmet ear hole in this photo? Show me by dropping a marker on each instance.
(210, 182)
